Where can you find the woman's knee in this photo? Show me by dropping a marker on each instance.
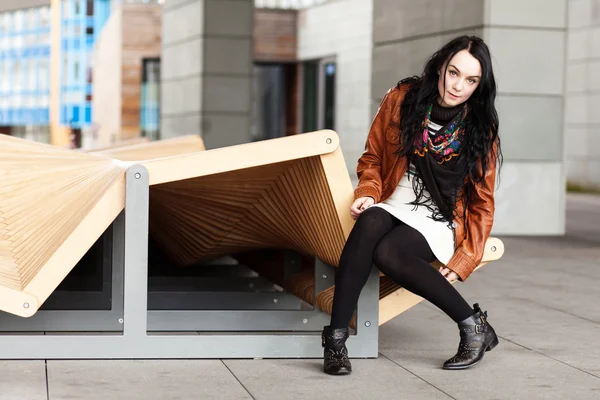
(384, 255)
(374, 219)
(391, 257)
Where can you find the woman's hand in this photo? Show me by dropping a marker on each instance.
(360, 205)
(448, 274)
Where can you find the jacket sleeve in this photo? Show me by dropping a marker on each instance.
(480, 219)
(369, 163)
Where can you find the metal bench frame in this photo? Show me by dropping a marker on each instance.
(129, 330)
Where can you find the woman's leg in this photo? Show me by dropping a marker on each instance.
(405, 256)
(356, 262)
(354, 269)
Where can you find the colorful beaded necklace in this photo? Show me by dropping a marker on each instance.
(445, 145)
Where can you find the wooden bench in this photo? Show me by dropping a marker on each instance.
(286, 193)
(146, 150)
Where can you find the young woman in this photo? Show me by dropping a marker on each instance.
(425, 192)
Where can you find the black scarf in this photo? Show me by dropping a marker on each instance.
(443, 179)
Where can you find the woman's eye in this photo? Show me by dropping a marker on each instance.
(453, 73)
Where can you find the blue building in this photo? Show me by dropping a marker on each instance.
(25, 67)
(25, 62)
(82, 21)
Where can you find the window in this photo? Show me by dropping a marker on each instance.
(44, 74)
(309, 96)
(328, 108)
(150, 99)
(66, 9)
(318, 95)
(16, 78)
(65, 71)
(31, 18)
(3, 76)
(44, 17)
(90, 8)
(32, 80)
(76, 70)
(18, 21)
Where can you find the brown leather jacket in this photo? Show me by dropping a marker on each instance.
(380, 170)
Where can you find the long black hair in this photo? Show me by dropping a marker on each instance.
(481, 122)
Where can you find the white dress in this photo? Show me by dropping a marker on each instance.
(438, 234)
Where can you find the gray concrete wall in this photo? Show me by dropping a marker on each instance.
(527, 41)
(343, 29)
(582, 119)
(206, 70)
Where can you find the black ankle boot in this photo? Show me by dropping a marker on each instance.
(476, 337)
(335, 355)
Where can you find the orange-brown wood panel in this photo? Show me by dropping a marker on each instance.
(275, 38)
(141, 40)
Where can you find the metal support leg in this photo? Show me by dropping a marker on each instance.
(365, 342)
(324, 276)
(367, 319)
(135, 289)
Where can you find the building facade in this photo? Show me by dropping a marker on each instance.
(582, 122)
(235, 71)
(81, 24)
(25, 69)
(46, 84)
(127, 60)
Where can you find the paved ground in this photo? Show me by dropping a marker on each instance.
(542, 298)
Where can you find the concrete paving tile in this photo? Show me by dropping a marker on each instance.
(21, 380)
(538, 303)
(545, 283)
(564, 337)
(583, 215)
(142, 379)
(304, 379)
(422, 338)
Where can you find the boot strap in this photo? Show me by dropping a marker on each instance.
(478, 328)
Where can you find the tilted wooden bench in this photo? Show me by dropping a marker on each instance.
(286, 193)
(146, 150)
(55, 203)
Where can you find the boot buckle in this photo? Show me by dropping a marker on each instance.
(477, 330)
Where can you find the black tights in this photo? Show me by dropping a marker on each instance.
(402, 253)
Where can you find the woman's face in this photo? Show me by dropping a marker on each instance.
(463, 74)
